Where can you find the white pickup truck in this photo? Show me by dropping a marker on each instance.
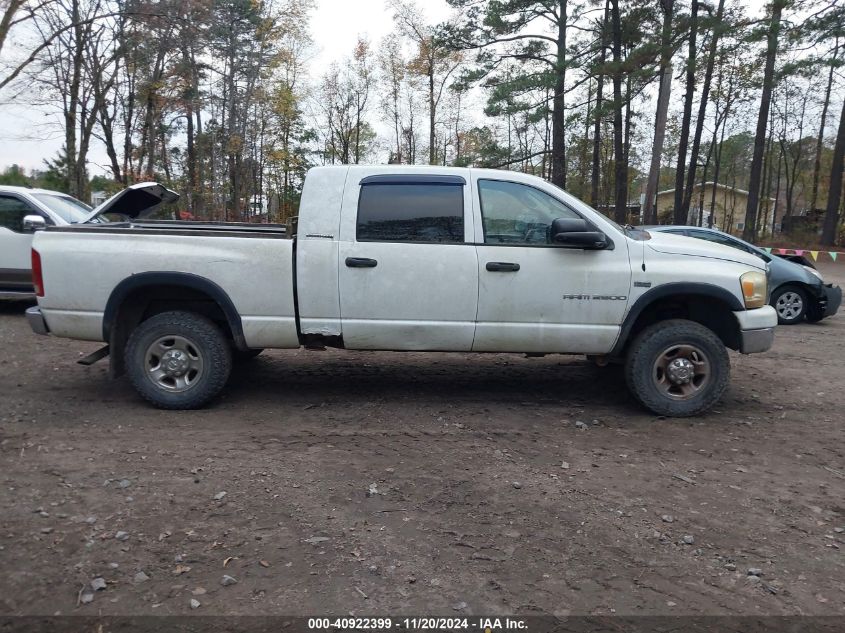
(404, 258)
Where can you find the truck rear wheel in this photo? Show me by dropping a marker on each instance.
(677, 368)
(178, 360)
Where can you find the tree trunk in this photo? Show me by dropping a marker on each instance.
(9, 12)
(432, 158)
(680, 217)
(702, 107)
(191, 155)
(620, 163)
(776, 203)
(73, 102)
(716, 168)
(768, 168)
(559, 105)
(650, 203)
(831, 216)
(199, 195)
(594, 181)
(817, 164)
(749, 233)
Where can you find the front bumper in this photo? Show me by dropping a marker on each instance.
(756, 329)
(832, 300)
(36, 320)
(754, 341)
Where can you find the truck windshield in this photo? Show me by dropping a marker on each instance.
(67, 208)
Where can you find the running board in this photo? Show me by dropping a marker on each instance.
(93, 357)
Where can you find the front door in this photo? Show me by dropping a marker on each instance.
(408, 274)
(15, 244)
(535, 296)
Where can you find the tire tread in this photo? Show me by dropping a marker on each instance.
(661, 334)
(218, 361)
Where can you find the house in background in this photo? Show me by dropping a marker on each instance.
(98, 198)
(728, 211)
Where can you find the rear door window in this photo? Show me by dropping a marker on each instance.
(420, 212)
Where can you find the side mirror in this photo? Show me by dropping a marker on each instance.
(576, 233)
(33, 223)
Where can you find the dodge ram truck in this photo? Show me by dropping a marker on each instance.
(402, 258)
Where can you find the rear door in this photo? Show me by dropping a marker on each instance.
(408, 272)
(15, 243)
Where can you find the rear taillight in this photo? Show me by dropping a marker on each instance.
(37, 276)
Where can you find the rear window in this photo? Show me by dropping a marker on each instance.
(411, 213)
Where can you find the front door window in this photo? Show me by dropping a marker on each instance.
(518, 214)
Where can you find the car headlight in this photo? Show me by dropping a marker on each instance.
(754, 289)
(813, 272)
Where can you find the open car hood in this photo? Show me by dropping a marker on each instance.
(136, 201)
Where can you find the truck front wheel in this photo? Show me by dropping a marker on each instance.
(178, 360)
(677, 368)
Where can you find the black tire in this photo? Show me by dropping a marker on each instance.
(204, 345)
(651, 385)
(791, 304)
(243, 355)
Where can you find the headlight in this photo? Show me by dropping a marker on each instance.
(813, 272)
(754, 289)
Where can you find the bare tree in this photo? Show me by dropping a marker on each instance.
(620, 162)
(834, 196)
(817, 162)
(749, 232)
(664, 92)
(680, 217)
(718, 27)
(435, 60)
(344, 95)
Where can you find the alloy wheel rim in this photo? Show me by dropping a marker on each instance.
(681, 371)
(173, 363)
(789, 305)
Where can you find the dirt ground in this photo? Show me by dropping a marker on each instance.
(366, 483)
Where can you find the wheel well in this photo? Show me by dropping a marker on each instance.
(711, 312)
(797, 284)
(145, 301)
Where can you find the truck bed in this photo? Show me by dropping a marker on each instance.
(239, 229)
(252, 262)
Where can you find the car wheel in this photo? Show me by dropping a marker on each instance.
(178, 360)
(677, 368)
(790, 302)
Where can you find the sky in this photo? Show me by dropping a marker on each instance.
(28, 133)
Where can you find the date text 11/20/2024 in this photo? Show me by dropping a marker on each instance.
(419, 624)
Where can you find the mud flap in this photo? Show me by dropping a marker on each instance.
(93, 357)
